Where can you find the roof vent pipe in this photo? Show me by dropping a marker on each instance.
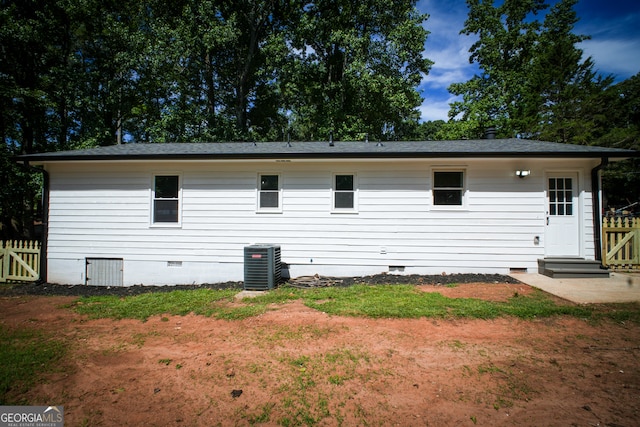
(331, 139)
(490, 133)
(366, 138)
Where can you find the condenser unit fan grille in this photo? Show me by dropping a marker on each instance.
(262, 267)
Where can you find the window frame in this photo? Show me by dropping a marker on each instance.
(335, 191)
(463, 189)
(178, 199)
(259, 192)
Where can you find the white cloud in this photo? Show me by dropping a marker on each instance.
(615, 40)
(455, 55)
(441, 79)
(431, 109)
(614, 56)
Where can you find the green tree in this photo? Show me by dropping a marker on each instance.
(210, 68)
(108, 46)
(534, 82)
(353, 69)
(33, 47)
(560, 102)
(507, 36)
(621, 113)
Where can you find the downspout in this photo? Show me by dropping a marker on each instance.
(45, 220)
(597, 209)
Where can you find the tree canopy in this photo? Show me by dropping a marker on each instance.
(533, 80)
(95, 72)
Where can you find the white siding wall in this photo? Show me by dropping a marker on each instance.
(99, 210)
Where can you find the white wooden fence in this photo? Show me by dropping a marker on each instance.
(19, 261)
(621, 243)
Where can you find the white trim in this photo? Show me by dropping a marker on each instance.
(152, 199)
(464, 202)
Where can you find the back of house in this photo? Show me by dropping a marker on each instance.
(161, 214)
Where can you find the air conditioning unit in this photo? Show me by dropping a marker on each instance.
(262, 267)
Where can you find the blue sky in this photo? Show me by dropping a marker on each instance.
(614, 27)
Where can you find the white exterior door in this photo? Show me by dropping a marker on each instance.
(562, 233)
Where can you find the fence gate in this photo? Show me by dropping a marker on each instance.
(19, 261)
(621, 243)
(104, 271)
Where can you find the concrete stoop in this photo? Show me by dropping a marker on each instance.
(564, 268)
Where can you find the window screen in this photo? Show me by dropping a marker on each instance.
(269, 194)
(344, 192)
(166, 193)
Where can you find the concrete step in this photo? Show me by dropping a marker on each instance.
(571, 273)
(569, 263)
(571, 268)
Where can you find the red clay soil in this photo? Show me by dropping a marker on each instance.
(297, 366)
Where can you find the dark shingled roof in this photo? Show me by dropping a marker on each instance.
(487, 148)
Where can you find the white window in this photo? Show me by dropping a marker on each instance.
(344, 192)
(448, 188)
(269, 193)
(166, 199)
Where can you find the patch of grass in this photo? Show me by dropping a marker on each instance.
(264, 416)
(383, 301)
(139, 339)
(338, 379)
(509, 385)
(303, 377)
(620, 313)
(26, 355)
(454, 345)
(404, 301)
(182, 302)
(489, 368)
(238, 313)
(280, 295)
(283, 334)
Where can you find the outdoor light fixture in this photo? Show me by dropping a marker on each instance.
(523, 173)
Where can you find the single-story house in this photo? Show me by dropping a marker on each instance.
(184, 213)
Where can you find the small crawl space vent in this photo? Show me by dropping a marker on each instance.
(262, 267)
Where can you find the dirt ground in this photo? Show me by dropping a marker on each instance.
(297, 366)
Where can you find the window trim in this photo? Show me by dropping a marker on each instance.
(153, 198)
(463, 189)
(260, 209)
(334, 191)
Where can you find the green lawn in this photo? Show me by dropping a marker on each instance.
(26, 354)
(384, 301)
